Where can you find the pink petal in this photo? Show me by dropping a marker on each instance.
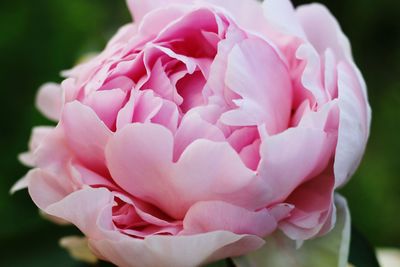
(20, 184)
(106, 104)
(37, 136)
(140, 8)
(282, 15)
(90, 210)
(46, 188)
(190, 88)
(137, 169)
(311, 78)
(307, 152)
(211, 216)
(176, 251)
(239, 10)
(86, 135)
(87, 208)
(311, 212)
(50, 100)
(122, 82)
(355, 116)
(323, 30)
(262, 80)
(193, 127)
(212, 170)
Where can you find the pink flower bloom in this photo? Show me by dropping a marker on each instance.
(203, 127)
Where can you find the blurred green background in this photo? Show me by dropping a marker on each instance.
(40, 38)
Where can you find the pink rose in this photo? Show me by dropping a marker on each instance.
(202, 128)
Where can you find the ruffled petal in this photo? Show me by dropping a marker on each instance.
(262, 80)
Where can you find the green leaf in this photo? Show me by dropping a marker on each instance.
(361, 251)
(330, 250)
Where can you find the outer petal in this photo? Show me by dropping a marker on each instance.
(50, 100)
(86, 135)
(330, 250)
(323, 31)
(355, 115)
(307, 152)
(90, 210)
(45, 188)
(177, 251)
(140, 8)
(281, 13)
(37, 136)
(311, 215)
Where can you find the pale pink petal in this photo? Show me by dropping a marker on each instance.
(83, 208)
(137, 169)
(176, 251)
(22, 183)
(311, 213)
(86, 135)
(141, 8)
(238, 11)
(91, 178)
(106, 104)
(311, 78)
(37, 136)
(313, 146)
(282, 15)
(160, 83)
(50, 100)
(215, 87)
(204, 165)
(355, 116)
(323, 31)
(90, 210)
(163, 15)
(262, 80)
(330, 74)
(214, 171)
(326, 118)
(122, 82)
(46, 188)
(211, 216)
(192, 128)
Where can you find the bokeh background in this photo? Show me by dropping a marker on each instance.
(39, 38)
